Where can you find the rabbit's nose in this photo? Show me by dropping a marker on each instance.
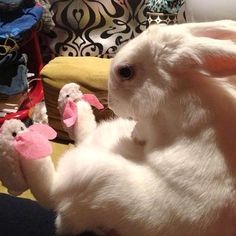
(125, 72)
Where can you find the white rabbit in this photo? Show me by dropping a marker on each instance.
(171, 172)
(181, 180)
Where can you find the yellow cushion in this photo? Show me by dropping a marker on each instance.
(91, 73)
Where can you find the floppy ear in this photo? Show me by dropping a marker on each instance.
(93, 101)
(210, 47)
(222, 30)
(44, 130)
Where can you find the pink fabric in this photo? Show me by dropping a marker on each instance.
(34, 144)
(93, 101)
(44, 130)
(70, 113)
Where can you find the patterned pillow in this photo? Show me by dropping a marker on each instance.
(95, 28)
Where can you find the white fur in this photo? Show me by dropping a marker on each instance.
(172, 170)
(181, 181)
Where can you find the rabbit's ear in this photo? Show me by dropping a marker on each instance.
(222, 30)
(211, 48)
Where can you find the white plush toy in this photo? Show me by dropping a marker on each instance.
(76, 113)
(10, 169)
(178, 84)
(24, 159)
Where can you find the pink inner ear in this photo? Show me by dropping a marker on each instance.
(93, 101)
(32, 145)
(69, 114)
(44, 130)
(222, 34)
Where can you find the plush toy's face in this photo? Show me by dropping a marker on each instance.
(29, 143)
(68, 92)
(69, 95)
(10, 129)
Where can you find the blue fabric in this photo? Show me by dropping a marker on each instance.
(15, 25)
(13, 79)
(24, 217)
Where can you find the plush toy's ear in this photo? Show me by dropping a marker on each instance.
(211, 48)
(69, 115)
(44, 130)
(32, 145)
(93, 101)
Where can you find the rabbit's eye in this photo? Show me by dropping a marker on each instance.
(126, 72)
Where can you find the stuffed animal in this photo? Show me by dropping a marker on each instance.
(10, 170)
(75, 109)
(25, 159)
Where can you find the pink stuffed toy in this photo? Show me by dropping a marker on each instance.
(23, 152)
(76, 113)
